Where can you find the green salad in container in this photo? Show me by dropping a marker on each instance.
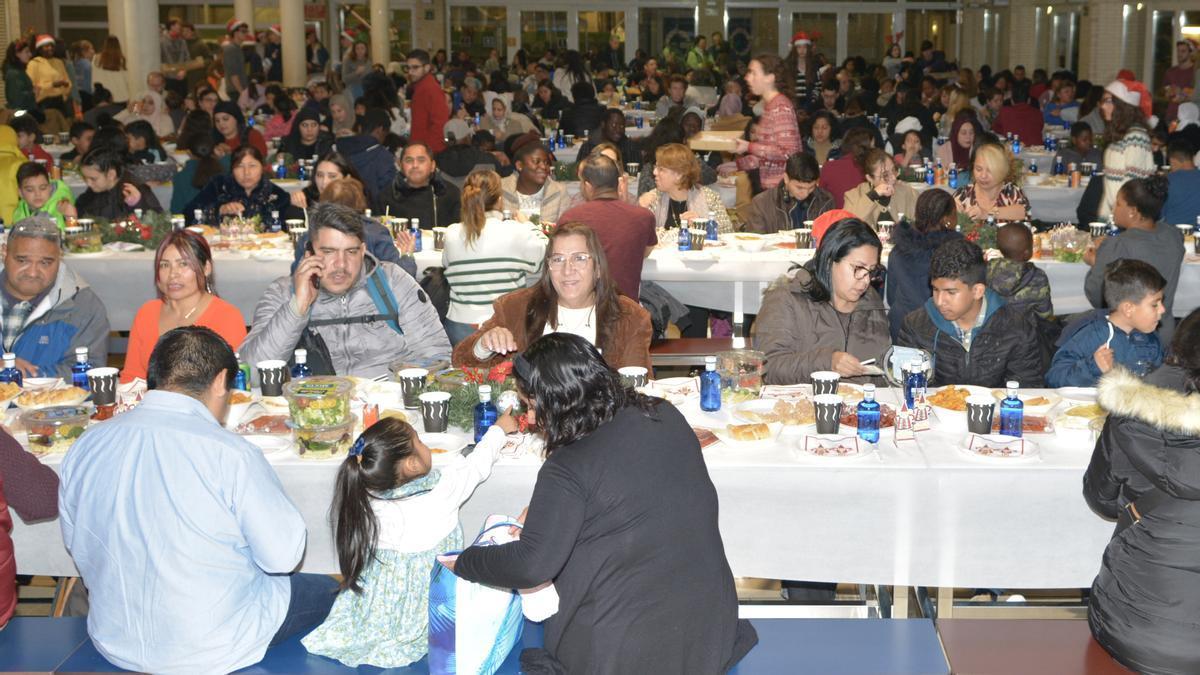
(318, 401)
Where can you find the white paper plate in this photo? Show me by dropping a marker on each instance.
(271, 445)
(39, 383)
(452, 444)
(1078, 395)
(970, 445)
(955, 416)
(93, 254)
(807, 444)
(764, 406)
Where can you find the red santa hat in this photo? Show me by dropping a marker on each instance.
(275, 29)
(348, 34)
(1132, 92)
(43, 40)
(802, 38)
(233, 25)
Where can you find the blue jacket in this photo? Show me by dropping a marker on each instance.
(1074, 364)
(374, 162)
(908, 271)
(70, 316)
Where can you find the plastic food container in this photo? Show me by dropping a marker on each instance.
(80, 240)
(325, 442)
(318, 402)
(55, 429)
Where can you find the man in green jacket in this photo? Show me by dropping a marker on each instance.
(40, 194)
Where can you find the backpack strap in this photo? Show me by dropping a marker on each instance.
(385, 302)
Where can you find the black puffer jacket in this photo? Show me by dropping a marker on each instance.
(436, 204)
(1004, 348)
(908, 271)
(1145, 602)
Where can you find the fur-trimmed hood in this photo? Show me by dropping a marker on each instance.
(1123, 393)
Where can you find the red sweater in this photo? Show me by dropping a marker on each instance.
(839, 176)
(1023, 120)
(33, 489)
(429, 113)
(38, 152)
(778, 139)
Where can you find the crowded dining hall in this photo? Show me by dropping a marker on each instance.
(714, 339)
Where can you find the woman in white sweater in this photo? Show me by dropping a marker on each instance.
(1128, 154)
(486, 255)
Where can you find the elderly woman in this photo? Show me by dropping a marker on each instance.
(151, 108)
(826, 315)
(991, 193)
(187, 296)
(576, 295)
(248, 192)
(1145, 474)
(232, 130)
(881, 196)
(677, 196)
(597, 513)
(501, 121)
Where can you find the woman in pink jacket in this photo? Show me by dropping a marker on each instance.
(778, 133)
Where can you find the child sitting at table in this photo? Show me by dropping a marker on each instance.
(144, 146)
(1123, 334)
(40, 194)
(1020, 282)
(394, 516)
(27, 138)
(1081, 149)
(110, 195)
(81, 141)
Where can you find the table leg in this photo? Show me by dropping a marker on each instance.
(900, 602)
(945, 602)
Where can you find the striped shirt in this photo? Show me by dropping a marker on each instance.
(501, 260)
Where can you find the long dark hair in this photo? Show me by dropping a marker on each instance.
(543, 306)
(194, 250)
(572, 389)
(145, 131)
(1124, 118)
(932, 208)
(842, 237)
(1185, 350)
(356, 529)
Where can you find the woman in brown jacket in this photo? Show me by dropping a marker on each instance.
(825, 315)
(881, 196)
(577, 295)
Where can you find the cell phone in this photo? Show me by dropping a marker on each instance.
(315, 280)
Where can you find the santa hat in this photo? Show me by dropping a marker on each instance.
(1126, 74)
(43, 40)
(1132, 92)
(825, 221)
(250, 40)
(802, 38)
(233, 25)
(275, 29)
(348, 34)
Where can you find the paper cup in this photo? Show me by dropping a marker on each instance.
(271, 376)
(435, 411)
(697, 239)
(825, 382)
(829, 413)
(103, 383)
(632, 376)
(980, 411)
(412, 384)
(804, 237)
(439, 238)
(1098, 229)
(398, 225)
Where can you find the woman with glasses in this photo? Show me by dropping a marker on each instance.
(576, 295)
(991, 193)
(882, 196)
(826, 315)
(486, 256)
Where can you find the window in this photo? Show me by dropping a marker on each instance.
(752, 31)
(595, 29)
(667, 33)
(868, 36)
(541, 31)
(478, 30)
(824, 26)
(937, 26)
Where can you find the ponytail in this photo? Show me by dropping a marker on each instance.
(360, 479)
(480, 194)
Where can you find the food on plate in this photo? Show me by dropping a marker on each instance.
(887, 415)
(319, 401)
(848, 391)
(50, 397)
(1030, 424)
(1032, 402)
(705, 437)
(9, 391)
(54, 429)
(745, 236)
(437, 451)
(239, 397)
(1090, 411)
(749, 432)
(950, 398)
(265, 424)
(790, 413)
(79, 241)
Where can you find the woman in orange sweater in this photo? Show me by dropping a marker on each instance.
(187, 296)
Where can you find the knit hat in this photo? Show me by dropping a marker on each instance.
(43, 40)
(694, 110)
(234, 24)
(802, 38)
(826, 220)
(456, 130)
(230, 108)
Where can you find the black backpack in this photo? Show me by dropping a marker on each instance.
(437, 287)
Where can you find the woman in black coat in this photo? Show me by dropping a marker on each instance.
(913, 244)
(623, 520)
(1145, 473)
(246, 191)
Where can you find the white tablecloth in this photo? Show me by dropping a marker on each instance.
(732, 283)
(919, 513)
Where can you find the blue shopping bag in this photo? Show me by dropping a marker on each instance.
(472, 627)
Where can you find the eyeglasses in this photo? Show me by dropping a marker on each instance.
(557, 262)
(860, 272)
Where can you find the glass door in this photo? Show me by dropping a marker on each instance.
(543, 30)
(667, 33)
(752, 31)
(478, 30)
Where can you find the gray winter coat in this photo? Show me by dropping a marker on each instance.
(361, 349)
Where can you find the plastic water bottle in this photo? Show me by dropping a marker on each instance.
(280, 169)
(276, 224)
(685, 236)
(710, 386)
(711, 232)
(241, 380)
(1032, 167)
(301, 368)
(953, 176)
(930, 174)
(11, 373)
(1059, 168)
(416, 233)
(80, 367)
(915, 382)
(303, 171)
(1012, 411)
(868, 415)
(1113, 230)
(1016, 145)
(485, 412)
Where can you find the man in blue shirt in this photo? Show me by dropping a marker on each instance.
(1183, 194)
(181, 530)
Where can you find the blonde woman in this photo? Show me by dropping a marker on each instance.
(678, 196)
(108, 70)
(486, 256)
(992, 191)
(958, 101)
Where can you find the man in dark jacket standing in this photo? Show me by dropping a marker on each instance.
(429, 108)
(418, 192)
(367, 153)
(974, 337)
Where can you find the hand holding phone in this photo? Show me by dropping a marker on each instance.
(307, 279)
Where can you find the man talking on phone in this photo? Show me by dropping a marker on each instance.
(353, 313)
